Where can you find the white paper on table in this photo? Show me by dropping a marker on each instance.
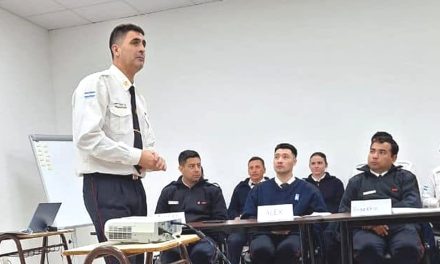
(319, 214)
(410, 210)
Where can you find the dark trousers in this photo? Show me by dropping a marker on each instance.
(275, 249)
(235, 243)
(332, 244)
(403, 243)
(203, 252)
(108, 196)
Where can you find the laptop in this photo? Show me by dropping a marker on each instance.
(43, 218)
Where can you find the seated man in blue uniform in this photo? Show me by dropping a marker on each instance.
(380, 179)
(237, 240)
(281, 247)
(199, 199)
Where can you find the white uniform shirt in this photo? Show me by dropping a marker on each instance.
(103, 124)
(431, 190)
(279, 182)
(252, 184)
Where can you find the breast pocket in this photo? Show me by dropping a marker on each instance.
(120, 119)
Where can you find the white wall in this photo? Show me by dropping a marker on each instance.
(234, 78)
(26, 109)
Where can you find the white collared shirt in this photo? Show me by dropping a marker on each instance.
(279, 182)
(252, 184)
(320, 179)
(103, 126)
(379, 174)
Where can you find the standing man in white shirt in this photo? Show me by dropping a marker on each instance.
(113, 136)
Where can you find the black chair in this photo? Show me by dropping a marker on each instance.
(432, 253)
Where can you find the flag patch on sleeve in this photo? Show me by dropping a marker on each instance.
(89, 94)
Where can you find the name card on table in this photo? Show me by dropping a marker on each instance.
(371, 207)
(273, 213)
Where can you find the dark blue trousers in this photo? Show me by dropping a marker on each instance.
(108, 196)
(275, 249)
(332, 244)
(403, 243)
(203, 252)
(235, 243)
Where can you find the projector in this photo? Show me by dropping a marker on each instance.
(141, 229)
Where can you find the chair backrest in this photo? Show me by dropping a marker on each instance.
(355, 170)
(407, 165)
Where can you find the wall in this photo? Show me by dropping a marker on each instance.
(26, 109)
(234, 78)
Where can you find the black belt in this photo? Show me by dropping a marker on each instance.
(126, 176)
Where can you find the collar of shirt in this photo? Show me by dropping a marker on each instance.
(379, 174)
(320, 179)
(292, 179)
(120, 76)
(252, 184)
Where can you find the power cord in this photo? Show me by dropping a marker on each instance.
(201, 235)
(175, 237)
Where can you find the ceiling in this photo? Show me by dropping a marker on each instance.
(56, 14)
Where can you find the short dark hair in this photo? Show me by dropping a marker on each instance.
(257, 158)
(381, 134)
(320, 154)
(385, 137)
(120, 31)
(187, 154)
(287, 146)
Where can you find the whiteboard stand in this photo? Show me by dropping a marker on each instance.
(55, 157)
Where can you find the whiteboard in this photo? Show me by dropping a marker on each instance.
(54, 155)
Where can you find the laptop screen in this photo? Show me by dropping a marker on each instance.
(44, 217)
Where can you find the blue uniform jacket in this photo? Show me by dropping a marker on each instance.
(239, 197)
(331, 189)
(204, 201)
(398, 184)
(304, 197)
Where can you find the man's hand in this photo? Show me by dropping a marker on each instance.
(160, 162)
(380, 230)
(152, 161)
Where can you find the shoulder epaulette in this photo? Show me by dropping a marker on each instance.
(173, 183)
(212, 184)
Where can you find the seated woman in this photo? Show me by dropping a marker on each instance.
(331, 187)
(332, 190)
